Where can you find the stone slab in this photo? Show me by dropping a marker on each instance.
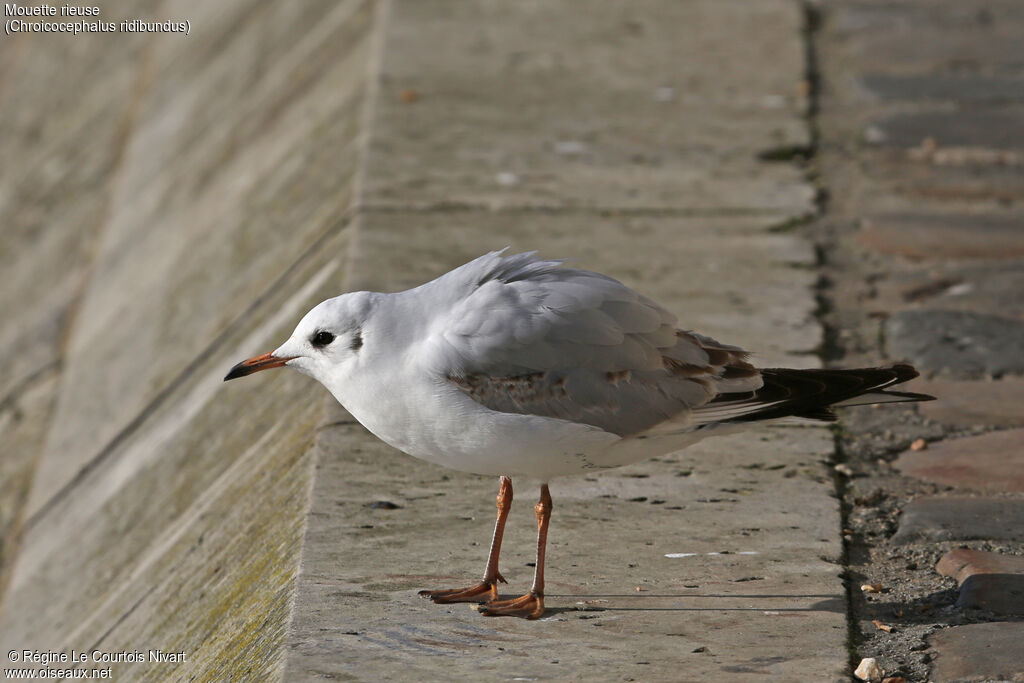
(927, 37)
(987, 580)
(969, 403)
(990, 462)
(989, 286)
(990, 129)
(965, 344)
(978, 652)
(961, 519)
(972, 89)
(942, 237)
(582, 104)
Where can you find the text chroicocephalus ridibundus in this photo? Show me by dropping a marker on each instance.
(512, 365)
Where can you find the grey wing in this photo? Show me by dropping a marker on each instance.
(534, 338)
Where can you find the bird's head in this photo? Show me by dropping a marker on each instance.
(326, 343)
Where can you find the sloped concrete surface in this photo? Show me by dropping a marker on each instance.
(208, 190)
(166, 510)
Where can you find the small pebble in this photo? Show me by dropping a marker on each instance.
(919, 445)
(868, 670)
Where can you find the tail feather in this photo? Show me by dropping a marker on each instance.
(810, 394)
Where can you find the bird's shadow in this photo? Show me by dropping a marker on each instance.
(826, 603)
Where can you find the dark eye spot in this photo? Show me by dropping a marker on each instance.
(357, 341)
(321, 338)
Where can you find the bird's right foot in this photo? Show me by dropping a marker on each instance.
(485, 591)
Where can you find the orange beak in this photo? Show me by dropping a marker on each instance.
(255, 364)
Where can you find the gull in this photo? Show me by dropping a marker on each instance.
(515, 366)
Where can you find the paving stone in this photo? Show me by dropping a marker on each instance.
(953, 178)
(987, 580)
(941, 237)
(974, 40)
(991, 129)
(990, 462)
(969, 403)
(961, 519)
(966, 344)
(972, 88)
(978, 652)
(991, 287)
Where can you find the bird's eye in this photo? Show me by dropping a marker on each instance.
(321, 338)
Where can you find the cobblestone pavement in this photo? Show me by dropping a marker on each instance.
(921, 153)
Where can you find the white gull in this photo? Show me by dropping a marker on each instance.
(516, 366)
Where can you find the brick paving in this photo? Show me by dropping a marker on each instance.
(987, 580)
(920, 149)
(989, 462)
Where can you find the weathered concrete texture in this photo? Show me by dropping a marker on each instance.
(618, 607)
(168, 510)
(55, 187)
(577, 103)
(186, 535)
(957, 518)
(990, 462)
(24, 418)
(987, 580)
(965, 344)
(979, 652)
(243, 169)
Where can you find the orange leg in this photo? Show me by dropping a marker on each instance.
(531, 605)
(487, 589)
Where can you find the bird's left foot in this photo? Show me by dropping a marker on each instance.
(529, 606)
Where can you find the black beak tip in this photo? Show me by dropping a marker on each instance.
(240, 370)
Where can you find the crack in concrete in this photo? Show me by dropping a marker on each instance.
(829, 350)
(583, 210)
